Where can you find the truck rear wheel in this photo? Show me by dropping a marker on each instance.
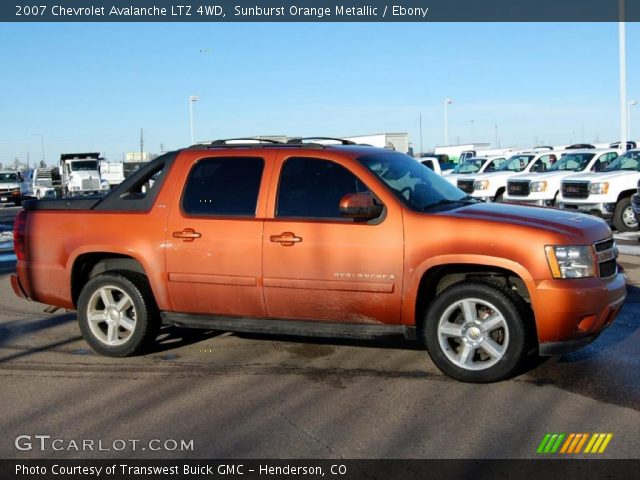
(477, 331)
(117, 314)
(623, 217)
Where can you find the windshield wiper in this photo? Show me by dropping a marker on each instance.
(468, 200)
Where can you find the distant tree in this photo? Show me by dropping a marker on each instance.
(42, 164)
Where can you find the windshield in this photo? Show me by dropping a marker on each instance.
(574, 162)
(470, 165)
(412, 183)
(628, 161)
(9, 178)
(84, 165)
(493, 165)
(517, 163)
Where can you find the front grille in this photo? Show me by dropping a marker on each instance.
(465, 185)
(518, 188)
(608, 269)
(604, 245)
(90, 184)
(575, 189)
(607, 254)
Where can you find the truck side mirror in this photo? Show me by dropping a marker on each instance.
(360, 206)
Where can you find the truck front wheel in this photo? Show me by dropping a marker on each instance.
(623, 217)
(478, 331)
(117, 314)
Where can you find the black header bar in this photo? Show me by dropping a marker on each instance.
(320, 11)
(338, 469)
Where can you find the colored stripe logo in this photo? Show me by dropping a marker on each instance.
(574, 443)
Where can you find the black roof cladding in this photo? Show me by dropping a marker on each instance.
(252, 142)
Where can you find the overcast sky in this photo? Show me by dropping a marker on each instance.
(91, 87)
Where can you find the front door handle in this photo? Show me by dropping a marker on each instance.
(187, 235)
(286, 239)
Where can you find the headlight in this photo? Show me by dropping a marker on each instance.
(481, 185)
(571, 262)
(539, 186)
(73, 188)
(600, 188)
(104, 185)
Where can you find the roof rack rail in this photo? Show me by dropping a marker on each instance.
(579, 146)
(298, 140)
(227, 141)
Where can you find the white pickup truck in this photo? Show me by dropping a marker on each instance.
(543, 188)
(606, 194)
(474, 165)
(37, 183)
(434, 164)
(10, 187)
(492, 186)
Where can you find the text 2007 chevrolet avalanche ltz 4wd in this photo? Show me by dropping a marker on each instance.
(324, 240)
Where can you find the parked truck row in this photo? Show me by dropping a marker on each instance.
(77, 174)
(591, 180)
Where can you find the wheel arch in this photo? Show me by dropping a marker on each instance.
(87, 265)
(439, 273)
(626, 193)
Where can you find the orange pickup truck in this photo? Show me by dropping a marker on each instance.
(306, 238)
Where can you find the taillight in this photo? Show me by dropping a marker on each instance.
(19, 240)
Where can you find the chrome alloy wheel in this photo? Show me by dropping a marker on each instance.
(473, 334)
(629, 218)
(111, 316)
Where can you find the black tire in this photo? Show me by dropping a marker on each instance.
(624, 207)
(499, 198)
(143, 313)
(18, 203)
(519, 336)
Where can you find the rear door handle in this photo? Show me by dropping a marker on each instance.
(187, 235)
(286, 239)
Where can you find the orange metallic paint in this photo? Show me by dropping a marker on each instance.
(337, 271)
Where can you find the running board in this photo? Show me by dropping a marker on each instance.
(300, 328)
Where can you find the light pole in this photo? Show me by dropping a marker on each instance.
(630, 104)
(41, 145)
(623, 78)
(192, 98)
(421, 134)
(496, 143)
(447, 101)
